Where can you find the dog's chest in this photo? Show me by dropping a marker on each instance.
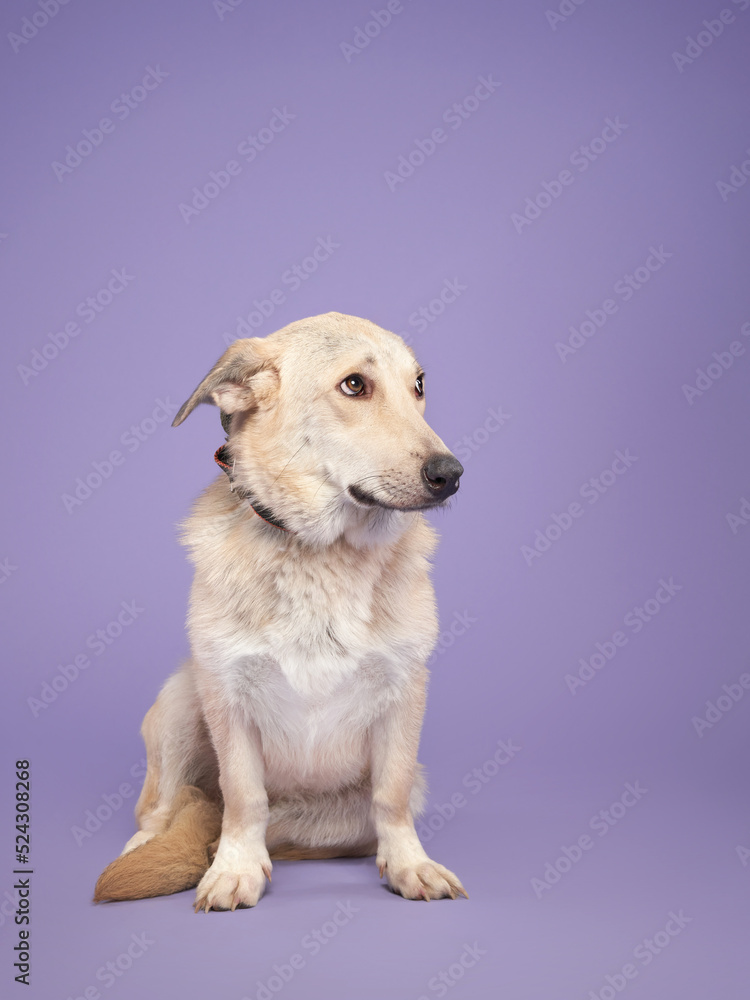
(313, 647)
(321, 629)
(324, 655)
(290, 629)
(314, 679)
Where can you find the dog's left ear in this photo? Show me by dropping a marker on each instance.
(228, 384)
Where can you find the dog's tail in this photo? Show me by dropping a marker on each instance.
(178, 858)
(171, 861)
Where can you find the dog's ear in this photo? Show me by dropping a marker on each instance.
(227, 385)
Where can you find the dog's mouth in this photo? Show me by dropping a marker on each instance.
(368, 500)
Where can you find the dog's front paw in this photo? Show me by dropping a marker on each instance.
(423, 880)
(222, 889)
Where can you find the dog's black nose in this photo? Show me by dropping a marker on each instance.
(442, 474)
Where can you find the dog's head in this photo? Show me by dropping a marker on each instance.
(326, 427)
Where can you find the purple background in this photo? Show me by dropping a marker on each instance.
(493, 348)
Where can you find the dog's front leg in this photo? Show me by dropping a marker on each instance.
(238, 874)
(395, 741)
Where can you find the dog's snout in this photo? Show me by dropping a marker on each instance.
(442, 474)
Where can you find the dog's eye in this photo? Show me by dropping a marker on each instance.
(353, 385)
(419, 386)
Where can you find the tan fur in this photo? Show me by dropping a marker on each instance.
(181, 855)
(295, 724)
(174, 861)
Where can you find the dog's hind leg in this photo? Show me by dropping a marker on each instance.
(331, 824)
(179, 809)
(179, 753)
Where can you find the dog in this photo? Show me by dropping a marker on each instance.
(292, 732)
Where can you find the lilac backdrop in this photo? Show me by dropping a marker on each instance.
(578, 145)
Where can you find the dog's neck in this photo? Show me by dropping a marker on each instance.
(225, 463)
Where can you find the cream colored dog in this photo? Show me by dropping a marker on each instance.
(292, 732)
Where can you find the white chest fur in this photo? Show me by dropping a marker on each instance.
(312, 646)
